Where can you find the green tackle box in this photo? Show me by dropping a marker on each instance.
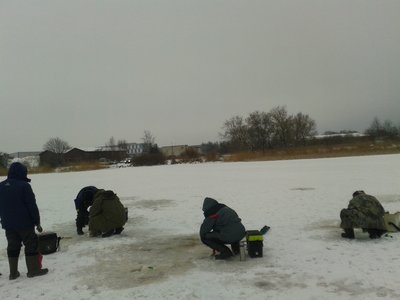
(254, 240)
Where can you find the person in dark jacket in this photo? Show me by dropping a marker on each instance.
(221, 226)
(83, 201)
(107, 215)
(19, 215)
(366, 212)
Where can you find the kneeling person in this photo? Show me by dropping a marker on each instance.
(364, 211)
(221, 226)
(107, 215)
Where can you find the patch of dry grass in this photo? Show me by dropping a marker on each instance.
(70, 168)
(83, 167)
(358, 149)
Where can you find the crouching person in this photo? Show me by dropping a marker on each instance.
(221, 226)
(107, 215)
(83, 201)
(19, 215)
(364, 211)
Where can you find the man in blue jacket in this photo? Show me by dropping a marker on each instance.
(19, 215)
(221, 226)
(83, 201)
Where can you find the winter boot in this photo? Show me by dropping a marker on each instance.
(235, 248)
(79, 231)
(226, 253)
(94, 233)
(375, 233)
(34, 268)
(108, 233)
(13, 262)
(348, 233)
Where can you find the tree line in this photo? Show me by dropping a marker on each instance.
(260, 131)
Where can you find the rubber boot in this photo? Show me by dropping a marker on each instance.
(224, 255)
(108, 233)
(348, 233)
(34, 268)
(13, 262)
(235, 248)
(375, 233)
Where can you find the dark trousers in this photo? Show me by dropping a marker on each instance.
(16, 238)
(82, 218)
(217, 244)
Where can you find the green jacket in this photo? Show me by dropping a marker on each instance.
(107, 212)
(368, 211)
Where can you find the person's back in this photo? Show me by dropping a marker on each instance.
(106, 214)
(364, 211)
(368, 205)
(18, 209)
(229, 225)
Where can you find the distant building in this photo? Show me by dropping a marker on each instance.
(76, 155)
(24, 154)
(175, 150)
(134, 149)
(131, 149)
(49, 158)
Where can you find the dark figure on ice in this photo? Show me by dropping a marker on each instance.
(19, 215)
(364, 211)
(221, 226)
(83, 201)
(107, 216)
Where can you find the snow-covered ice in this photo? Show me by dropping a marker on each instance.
(160, 256)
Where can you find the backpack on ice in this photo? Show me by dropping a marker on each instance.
(392, 222)
(254, 240)
(48, 242)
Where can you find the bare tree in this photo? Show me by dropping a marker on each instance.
(110, 144)
(148, 141)
(303, 128)
(282, 125)
(56, 145)
(235, 131)
(390, 130)
(259, 130)
(3, 159)
(375, 129)
(122, 145)
(385, 129)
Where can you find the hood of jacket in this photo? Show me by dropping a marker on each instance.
(208, 203)
(18, 171)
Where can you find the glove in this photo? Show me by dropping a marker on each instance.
(39, 228)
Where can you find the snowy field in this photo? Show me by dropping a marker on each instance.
(159, 255)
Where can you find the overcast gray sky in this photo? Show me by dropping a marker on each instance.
(86, 70)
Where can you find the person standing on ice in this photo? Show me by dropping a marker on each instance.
(364, 211)
(221, 226)
(83, 201)
(19, 215)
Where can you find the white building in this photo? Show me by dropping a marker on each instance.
(134, 149)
